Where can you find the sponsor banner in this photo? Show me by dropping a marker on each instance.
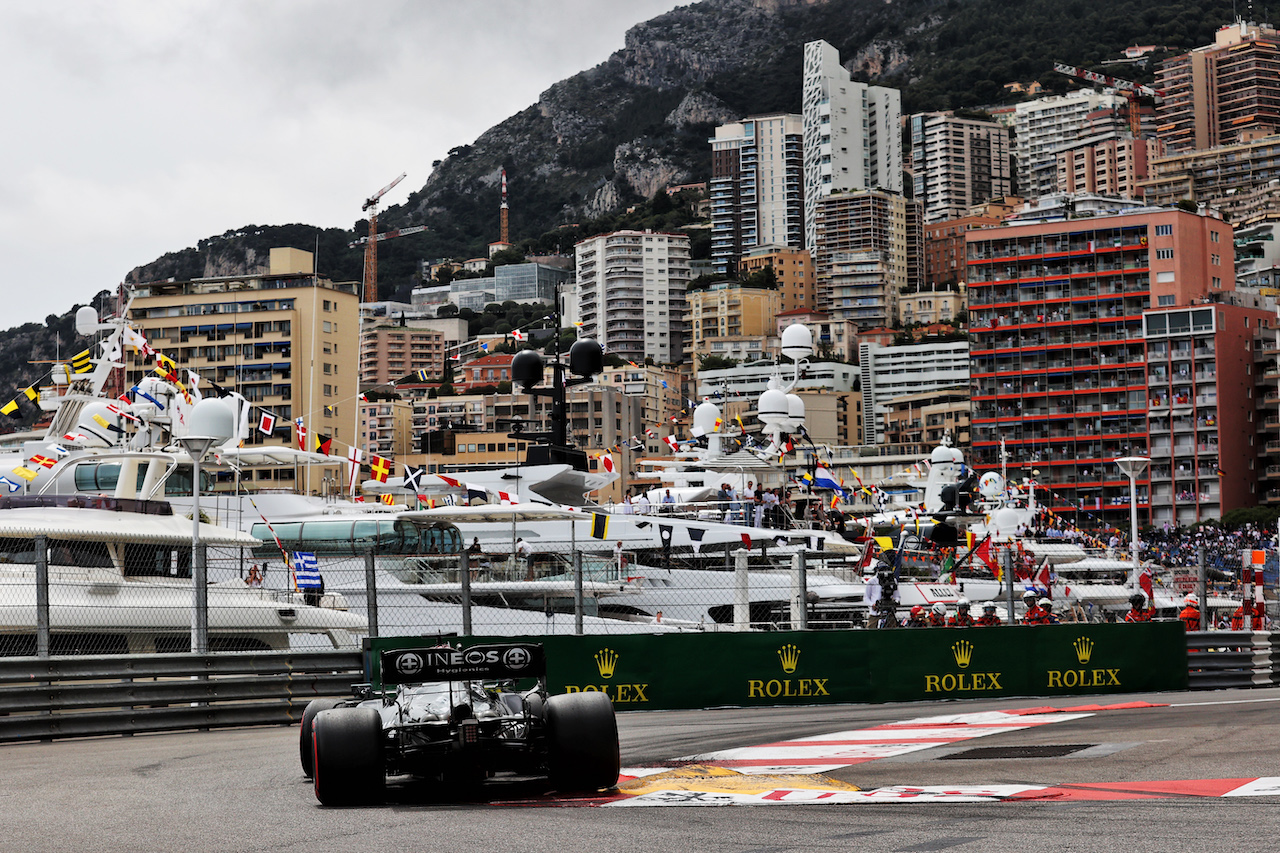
(669, 671)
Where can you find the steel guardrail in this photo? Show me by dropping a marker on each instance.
(58, 697)
(1225, 659)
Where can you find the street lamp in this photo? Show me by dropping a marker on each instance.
(1133, 466)
(211, 423)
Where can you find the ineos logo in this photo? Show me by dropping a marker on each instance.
(409, 664)
(473, 656)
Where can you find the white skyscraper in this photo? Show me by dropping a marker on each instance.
(852, 133)
(630, 293)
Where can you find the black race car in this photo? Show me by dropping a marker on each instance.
(454, 716)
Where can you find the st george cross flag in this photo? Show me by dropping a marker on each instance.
(306, 571)
(354, 457)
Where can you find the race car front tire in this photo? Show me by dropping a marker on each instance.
(348, 760)
(306, 749)
(582, 735)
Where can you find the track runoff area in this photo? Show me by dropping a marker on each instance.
(797, 772)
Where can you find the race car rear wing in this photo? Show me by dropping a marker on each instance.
(481, 663)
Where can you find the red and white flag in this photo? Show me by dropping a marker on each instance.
(519, 335)
(354, 456)
(606, 463)
(671, 442)
(302, 434)
(267, 423)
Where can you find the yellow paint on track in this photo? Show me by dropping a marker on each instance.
(704, 777)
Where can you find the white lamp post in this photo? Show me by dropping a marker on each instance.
(211, 423)
(1133, 466)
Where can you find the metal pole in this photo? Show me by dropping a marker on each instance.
(742, 598)
(200, 583)
(464, 570)
(1133, 528)
(199, 572)
(1007, 560)
(800, 616)
(371, 593)
(1205, 624)
(577, 592)
(42, 597)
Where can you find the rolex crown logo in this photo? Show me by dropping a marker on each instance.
(606, 661)
(1084, 649)
(963, 650)
(790, 656)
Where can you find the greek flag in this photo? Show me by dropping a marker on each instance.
(306, 572)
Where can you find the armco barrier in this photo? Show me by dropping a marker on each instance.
(1219, 659)
(79, 696)
(665, 671)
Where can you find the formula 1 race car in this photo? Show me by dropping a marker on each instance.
(453, 716)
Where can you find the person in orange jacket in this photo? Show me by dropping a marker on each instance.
(938, 615)
(1042, 615)
(1190, 614)
(988, 618)
(962, 619)
(1249, 608)
(1032, 616)
(1138, 610)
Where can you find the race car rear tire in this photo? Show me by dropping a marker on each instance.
(306, 749)
(582, 735)
(348, 761)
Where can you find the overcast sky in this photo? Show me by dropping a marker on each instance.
(138, 127)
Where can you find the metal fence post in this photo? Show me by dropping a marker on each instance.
(742, 597)
(577, 592)
(464, 576)
(200, 584)
(371, 593)
(800, 604)
(42, 597)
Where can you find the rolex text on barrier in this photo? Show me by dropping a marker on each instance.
(669, 671)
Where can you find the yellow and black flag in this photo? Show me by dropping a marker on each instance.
(82, 362)
(32, 393)
(599, 526)
(11, 409)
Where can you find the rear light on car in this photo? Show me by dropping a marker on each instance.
(468, 733)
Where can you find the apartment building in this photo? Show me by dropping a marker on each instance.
(889, 372)
(1216, 92)
(1046, 125)
(957, 163)
(728, 309)
(630, 293)
(1062, 354)
(390, 353)
(1115, 166)
(944, 253)
(757, 187)
(792, 269)
(1241, 180)
(286, 339)
(852, 134)
(869, 250)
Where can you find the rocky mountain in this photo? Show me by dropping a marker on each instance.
(621, 131)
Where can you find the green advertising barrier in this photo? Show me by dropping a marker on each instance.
(670, 671)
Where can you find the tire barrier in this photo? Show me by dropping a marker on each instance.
(1222, 659)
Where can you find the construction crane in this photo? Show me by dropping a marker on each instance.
(387, 235)
(1133, 91)
(371, 246)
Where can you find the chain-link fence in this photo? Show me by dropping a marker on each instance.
(63, 597)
